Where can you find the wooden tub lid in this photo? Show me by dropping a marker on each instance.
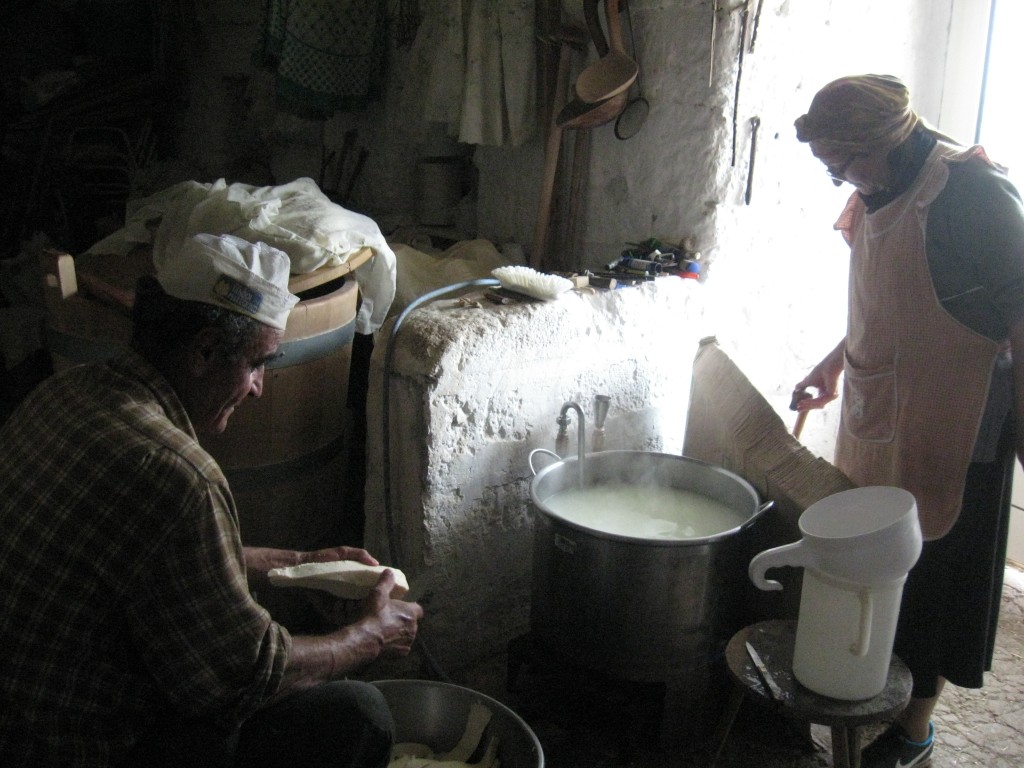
(111, 279)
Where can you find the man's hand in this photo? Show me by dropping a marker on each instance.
(338, 553)
(397, 620)
(385, 627)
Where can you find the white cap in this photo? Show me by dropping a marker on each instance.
(227, 271)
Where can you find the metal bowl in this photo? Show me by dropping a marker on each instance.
(435, 714)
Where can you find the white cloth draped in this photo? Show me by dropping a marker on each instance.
(296, 218)
(473, 69)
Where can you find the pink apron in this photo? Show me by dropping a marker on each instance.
(915, 380)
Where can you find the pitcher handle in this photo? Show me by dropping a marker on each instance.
(863, 643)
(795, 554)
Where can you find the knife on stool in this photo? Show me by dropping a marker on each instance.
(766, 677)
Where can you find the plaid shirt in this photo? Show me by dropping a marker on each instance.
(123, 593)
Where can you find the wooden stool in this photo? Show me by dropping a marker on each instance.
(774, 642)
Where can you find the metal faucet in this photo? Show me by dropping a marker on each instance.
(562, 439)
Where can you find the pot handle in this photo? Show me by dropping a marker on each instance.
(541, 450)
(761, 509)
(795, 554)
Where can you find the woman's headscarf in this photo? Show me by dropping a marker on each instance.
(859, 112)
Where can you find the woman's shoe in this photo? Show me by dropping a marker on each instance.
(894, 750)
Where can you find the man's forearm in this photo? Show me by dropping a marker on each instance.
(316, 659)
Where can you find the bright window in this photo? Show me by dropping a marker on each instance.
(999, 122)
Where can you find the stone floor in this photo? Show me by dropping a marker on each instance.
(582, 727)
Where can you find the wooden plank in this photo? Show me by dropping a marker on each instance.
(300, 283)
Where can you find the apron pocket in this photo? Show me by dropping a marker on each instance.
(870, 403)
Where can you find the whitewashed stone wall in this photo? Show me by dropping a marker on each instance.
(472, 392)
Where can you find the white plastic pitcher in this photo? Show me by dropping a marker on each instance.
(856, 550)
(844, 635)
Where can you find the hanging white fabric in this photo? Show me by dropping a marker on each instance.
(473, 68)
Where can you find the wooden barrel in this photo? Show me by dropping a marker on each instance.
(284, 453)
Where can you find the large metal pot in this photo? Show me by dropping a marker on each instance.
(635, 608)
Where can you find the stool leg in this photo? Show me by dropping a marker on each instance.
(732, 708)
(854, 743)
(840, 747)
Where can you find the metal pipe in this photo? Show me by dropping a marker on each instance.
(581, 436)
(391, 527)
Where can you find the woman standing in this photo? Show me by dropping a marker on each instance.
(933, 371)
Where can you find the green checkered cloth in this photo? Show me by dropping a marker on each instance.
(328, 55)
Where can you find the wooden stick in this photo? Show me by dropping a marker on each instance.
(551, 152)
(799, 426)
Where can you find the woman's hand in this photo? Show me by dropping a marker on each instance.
(824, 377)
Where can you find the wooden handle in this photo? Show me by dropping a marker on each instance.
(799, 426)
(551, 153)
(611, 11)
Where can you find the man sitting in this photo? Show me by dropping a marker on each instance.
(129, 630)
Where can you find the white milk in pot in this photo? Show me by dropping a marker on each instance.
(648, 512)
(856, 550)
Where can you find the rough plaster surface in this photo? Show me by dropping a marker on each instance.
(472, 392)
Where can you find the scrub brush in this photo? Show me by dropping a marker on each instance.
(530, 282)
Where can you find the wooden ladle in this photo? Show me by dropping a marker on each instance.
(614, 71)
(574, 113)
(577, 113)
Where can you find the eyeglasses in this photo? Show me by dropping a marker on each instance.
(838, 174)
